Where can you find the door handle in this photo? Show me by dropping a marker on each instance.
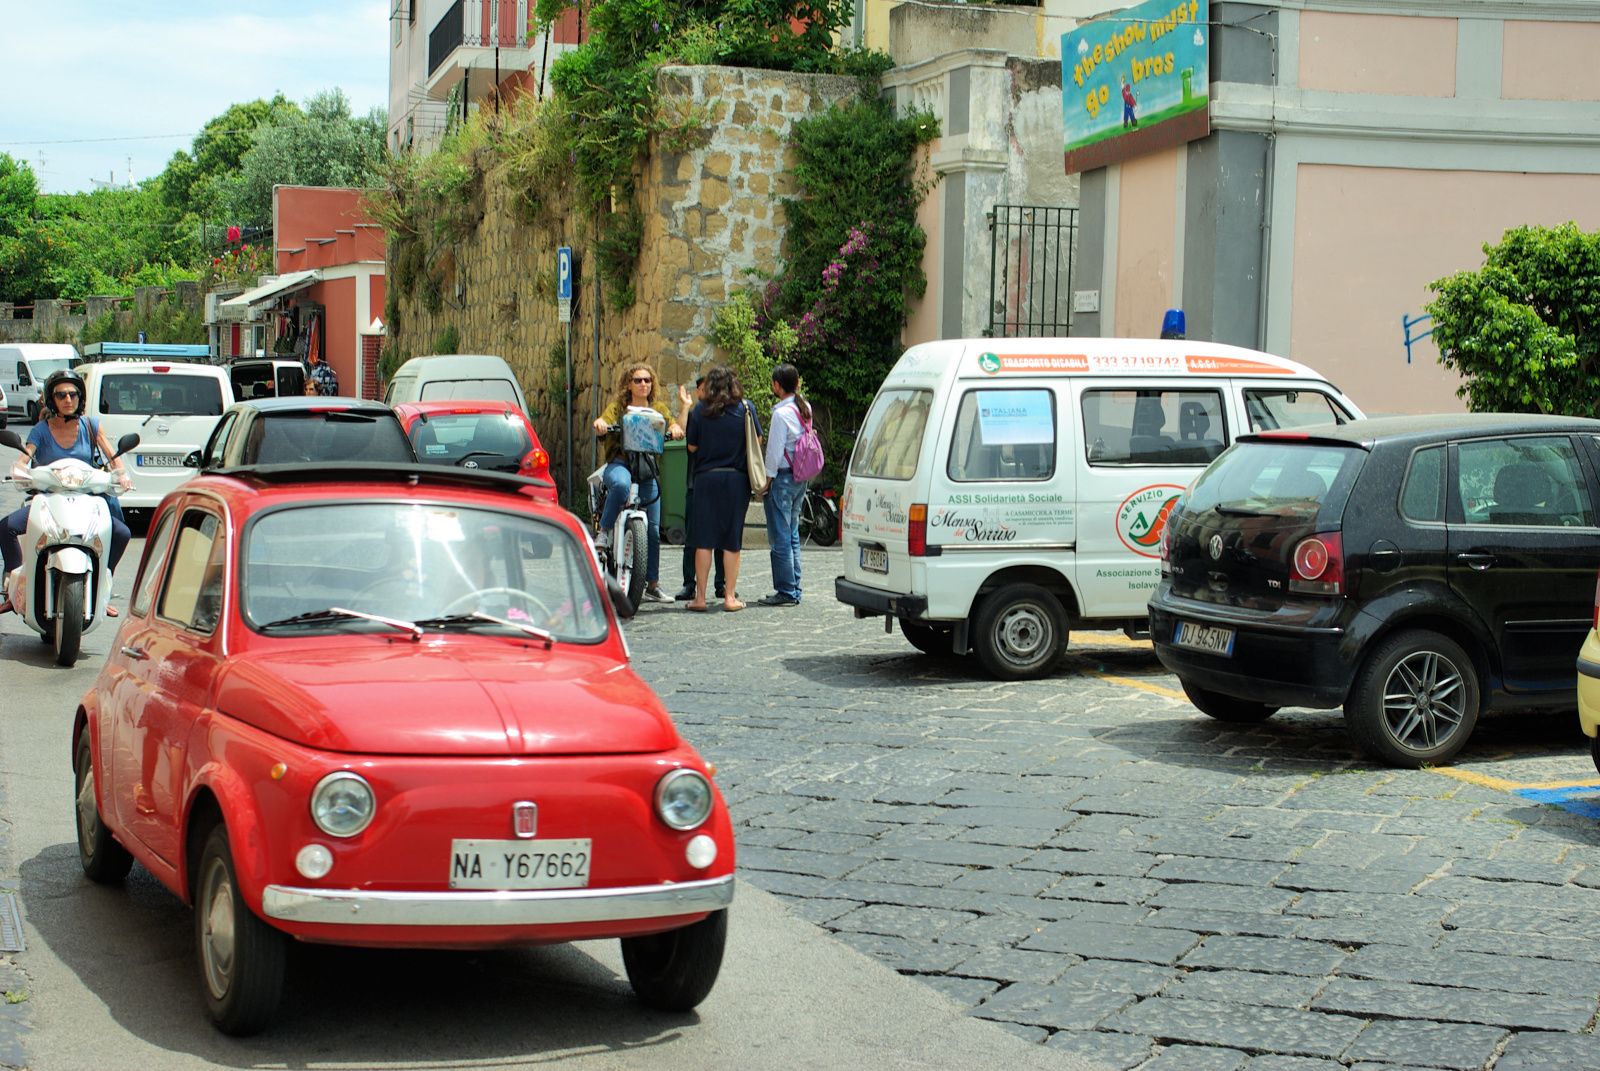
(135, 653)
(1477, 561)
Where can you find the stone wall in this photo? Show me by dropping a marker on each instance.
(63, 321)
(712, 217)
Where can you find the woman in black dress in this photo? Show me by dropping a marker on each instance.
(715, 438)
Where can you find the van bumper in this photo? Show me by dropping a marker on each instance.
(871, 602)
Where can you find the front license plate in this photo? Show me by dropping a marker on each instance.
(1213, 639)
(159, 461)
(875, 559)
(519, 864)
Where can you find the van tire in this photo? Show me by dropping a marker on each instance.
(1410, 687)
(1020, 632)
(33, 412)
(1226, 707)
(929, 639)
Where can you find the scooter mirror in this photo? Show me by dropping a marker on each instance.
(11, 439)
(127, 442)
(619, 598)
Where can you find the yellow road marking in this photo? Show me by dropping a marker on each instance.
(1498, 784)
(1143, 686)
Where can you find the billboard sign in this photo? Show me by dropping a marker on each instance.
(1136, 81)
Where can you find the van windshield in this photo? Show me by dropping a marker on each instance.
(42, 369)
(161, 394)
(891, 436)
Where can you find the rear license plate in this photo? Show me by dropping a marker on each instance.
(875, 559)
(159, 461)
(1213, 639)
(519, 864)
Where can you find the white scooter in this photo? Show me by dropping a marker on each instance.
(625, 554)
(64, 585)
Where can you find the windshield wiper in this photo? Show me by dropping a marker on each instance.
(334, 612)
(1239, 511)
(477, 615)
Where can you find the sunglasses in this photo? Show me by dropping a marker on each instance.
(641, 379)
(64, 394)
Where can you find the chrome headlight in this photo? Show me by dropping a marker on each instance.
(342, 804)
(683, 798)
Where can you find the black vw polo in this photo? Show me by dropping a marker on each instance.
(1414, 570)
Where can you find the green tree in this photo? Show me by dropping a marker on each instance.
(22, 246)
(189, 183)
(1524, 330)
(324, 145)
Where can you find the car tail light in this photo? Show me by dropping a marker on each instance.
(917, 532)
(537, 461)
(1317, 565)
(1597, 602)
(161, 368)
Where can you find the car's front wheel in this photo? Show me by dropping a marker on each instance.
(1226, 707)
(103, 859)
(241, 957)
(1414, 700)
(674, 971)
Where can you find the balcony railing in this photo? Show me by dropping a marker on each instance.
(478, 24)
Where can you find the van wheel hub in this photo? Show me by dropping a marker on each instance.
(1023, 631)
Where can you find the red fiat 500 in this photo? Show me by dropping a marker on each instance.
(391, 706)
(477, 435)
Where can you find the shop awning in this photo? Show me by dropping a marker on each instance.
(248, 305)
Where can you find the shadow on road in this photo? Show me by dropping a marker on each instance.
(133, 949)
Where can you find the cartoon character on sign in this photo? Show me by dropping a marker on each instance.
(1143, 515)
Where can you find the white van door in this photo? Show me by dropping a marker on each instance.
(1143, 442)
(1002, 486)
(881, 485)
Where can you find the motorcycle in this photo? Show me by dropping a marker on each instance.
(64, 585)
(625, 557)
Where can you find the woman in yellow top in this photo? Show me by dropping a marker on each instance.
(636, 388)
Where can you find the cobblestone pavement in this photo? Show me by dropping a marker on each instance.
(1094, 863)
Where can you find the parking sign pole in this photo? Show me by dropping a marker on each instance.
(564, 313)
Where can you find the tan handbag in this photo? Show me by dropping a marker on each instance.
(755, 456)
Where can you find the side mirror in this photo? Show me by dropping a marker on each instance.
(11, 439)
(127, 442)
(191, 460)
(619, 598)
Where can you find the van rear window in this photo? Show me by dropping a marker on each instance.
(891, 437)
(1277, 477)
(161, 394)
(475, 390)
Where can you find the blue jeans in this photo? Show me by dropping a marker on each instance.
(618, 480)
(782, 506)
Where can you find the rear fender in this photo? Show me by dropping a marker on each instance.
(1429, 606)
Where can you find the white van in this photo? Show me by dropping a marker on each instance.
(172, 406)
(23, 369)
(455, 377)
(1004, 491)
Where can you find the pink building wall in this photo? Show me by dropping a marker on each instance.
(1146, 240)
(1384, 54)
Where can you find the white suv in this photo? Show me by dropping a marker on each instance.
(171, 405)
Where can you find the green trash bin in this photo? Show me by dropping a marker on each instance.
(674, 491)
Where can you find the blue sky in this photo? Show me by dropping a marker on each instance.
(76, 72)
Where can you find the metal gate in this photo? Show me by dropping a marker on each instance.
(1030, 270)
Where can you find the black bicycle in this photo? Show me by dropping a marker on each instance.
(819, 516)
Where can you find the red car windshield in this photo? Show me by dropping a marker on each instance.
(417, 562)
(446, 438)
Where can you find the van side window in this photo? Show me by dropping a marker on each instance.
(891, 436)
(1004, 435)
(1153, 427)
(1290, 408)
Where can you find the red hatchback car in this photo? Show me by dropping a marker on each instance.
(391, 706)
(477, 435)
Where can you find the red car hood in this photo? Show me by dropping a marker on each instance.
(453, 697)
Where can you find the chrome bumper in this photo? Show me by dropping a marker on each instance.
(538, 907)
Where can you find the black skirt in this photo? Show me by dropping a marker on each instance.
(721, 497)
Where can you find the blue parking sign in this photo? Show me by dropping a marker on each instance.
(564, 273)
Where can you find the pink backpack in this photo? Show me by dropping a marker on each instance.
(805, 458)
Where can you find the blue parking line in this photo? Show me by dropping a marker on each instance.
(1580, 800)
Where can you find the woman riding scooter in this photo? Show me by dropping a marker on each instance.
(61, 433)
